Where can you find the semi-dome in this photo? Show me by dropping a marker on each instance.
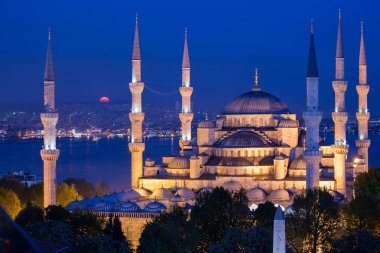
(74, 205)
(287, 123)
(256, 102)
(244, 139)
(130, 194)
(143, 192)
(154, 207)
(161, 193)
(232, 186)
(176, 198)
(179, 162)
(186, 193)
(298, 164)
(279, 195)
(256, 194)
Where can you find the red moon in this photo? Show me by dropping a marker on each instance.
(104, 100)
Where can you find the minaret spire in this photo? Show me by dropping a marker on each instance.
(49, 72)
(363, 115)
(49, 117)
(256, 85)
(136, 116)
(312, 68)
(312, 118)
(339, 43)
(186, 116)
(136, 41)
(339, 115)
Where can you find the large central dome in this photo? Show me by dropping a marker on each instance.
(256, 102)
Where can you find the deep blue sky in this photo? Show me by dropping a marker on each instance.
(92, 46)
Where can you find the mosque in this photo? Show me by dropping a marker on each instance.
(255, 143)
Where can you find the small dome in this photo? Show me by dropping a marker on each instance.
(206, 124)
(176, 198)
(100, 206)
(161, 193)
(298, 164)
(129, 207)
(111, 198)
(143, 192)
(244, 139)
(127, 195)
(287, 123)
(232, 186)
(256, 102)
(179, 162)
(256, 195)
(154, 207)
(186, 193)
(74, 205)
(279, 195)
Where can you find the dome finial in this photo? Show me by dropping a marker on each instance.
(312, 26)
(256, 86)
(49, 33)
(206, 117)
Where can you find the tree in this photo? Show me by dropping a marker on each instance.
(99, 244)
(29, 215)
(117, 231)
(109, 226)
(264, 216)
(255, 240)
(86, 223)
(363, 212)
(51, 231)
(216, 211)
(36, 195)
(313, 222)
(169, 232)
(361, 241)
(66, 194)
(84, 188)
(10, 202)
(57, 213)
(20, 189)
(102, 188)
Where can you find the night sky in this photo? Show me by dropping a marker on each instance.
(92, 47)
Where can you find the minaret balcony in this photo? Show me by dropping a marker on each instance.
(362, 116)
(362, 89)
(186, 117)
(136, 117)
(50, 155)
(363, 143)
(136, 87)
(339, 86)
(340, 149)
(186, 91)
(136, 147)
(339, 117)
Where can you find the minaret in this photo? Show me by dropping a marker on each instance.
(312, 118)
(136, 116)
(363, 143)
(279, 232)
(340, 147)
(49, 118)
(186, 116)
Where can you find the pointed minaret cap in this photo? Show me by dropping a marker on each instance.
(339, 43)
(49, 71)
(136, 42)
(279, 214)
(185, 60)
(256, 84)
(312, 68)
(362, 57)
